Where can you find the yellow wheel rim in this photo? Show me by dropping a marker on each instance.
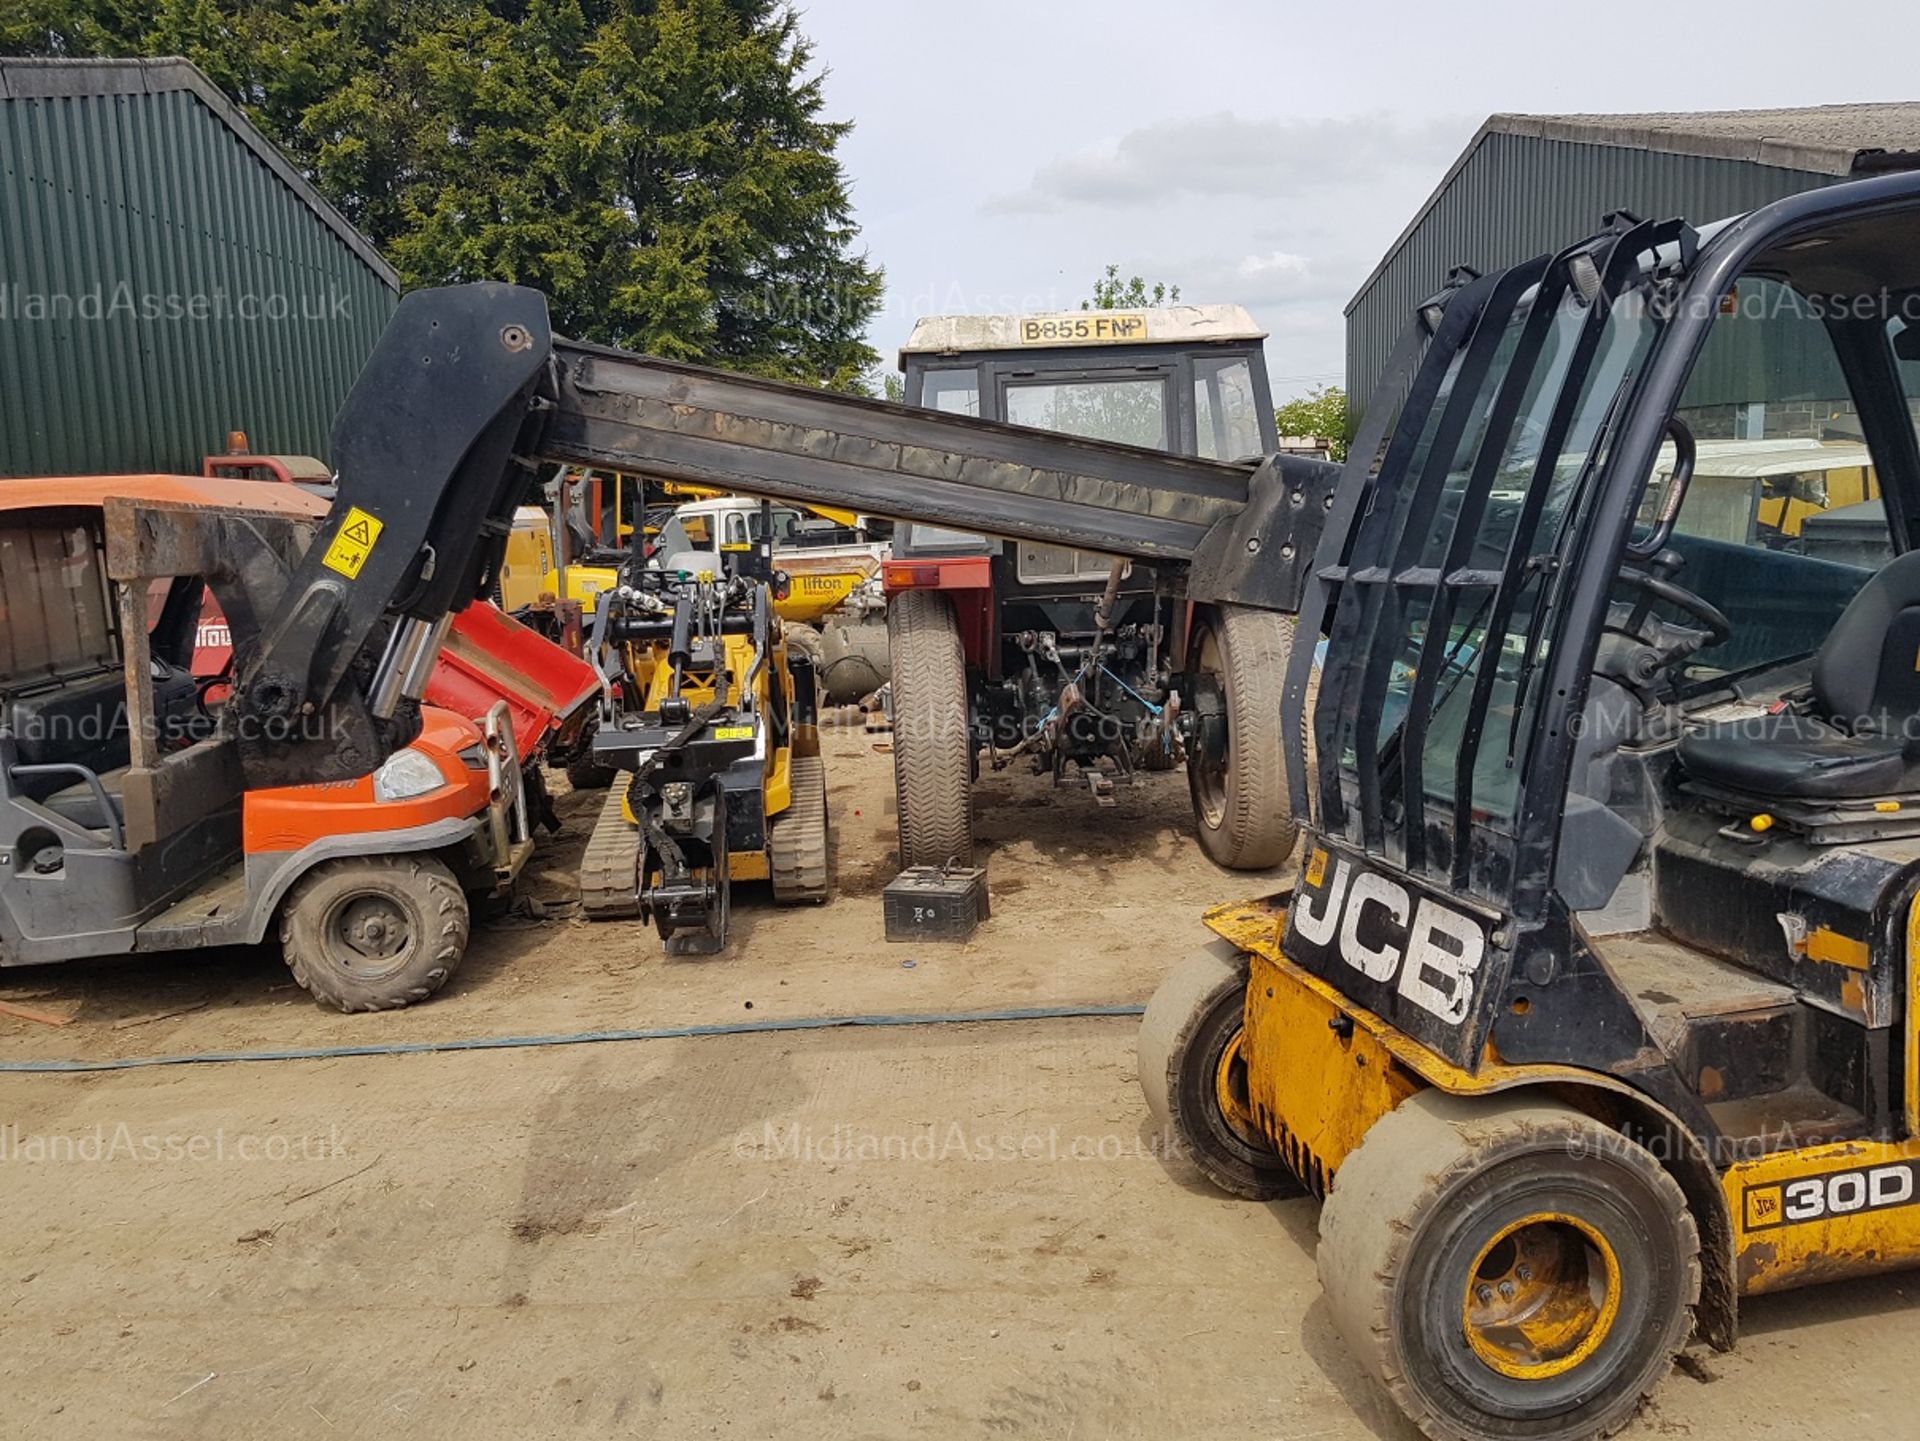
(1542, 1297)
(1230, 1089)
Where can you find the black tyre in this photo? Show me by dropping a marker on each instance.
(1194, 1075)
(584, 773)
(1237, 769)
(374, 933)
(932, 745)
(1509, 1271)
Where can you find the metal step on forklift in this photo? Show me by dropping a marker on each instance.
(1595, 1006)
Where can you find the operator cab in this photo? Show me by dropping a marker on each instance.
(1191, 379)
(1622, 596)
(1787, 671)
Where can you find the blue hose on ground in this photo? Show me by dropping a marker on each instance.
(580, 1038)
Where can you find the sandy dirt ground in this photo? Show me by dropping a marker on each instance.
(942, 1231)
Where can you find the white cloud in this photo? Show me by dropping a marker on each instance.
(1281, 262)
(1224, 155)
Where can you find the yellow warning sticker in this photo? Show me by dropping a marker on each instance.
(733, 733)
(355, 542)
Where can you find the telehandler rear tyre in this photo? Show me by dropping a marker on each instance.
(1509, 1269)
(374, 933)
(1195, 1078)
(932, 743)
(1242, 806)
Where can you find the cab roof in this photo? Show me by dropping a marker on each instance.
(94, 491)
(1070, 329)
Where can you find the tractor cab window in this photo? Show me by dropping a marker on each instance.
(736, 529)
(957, 392)
(1226, 408)
(1130, 410)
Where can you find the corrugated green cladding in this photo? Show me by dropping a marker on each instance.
(1520, 196)
(160, 286)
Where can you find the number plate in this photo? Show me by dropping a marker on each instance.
(1096, 327)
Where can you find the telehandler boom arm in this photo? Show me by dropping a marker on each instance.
(469, 392)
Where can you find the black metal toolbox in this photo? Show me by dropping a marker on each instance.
(935, 903)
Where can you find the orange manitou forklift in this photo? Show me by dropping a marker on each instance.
(317, 799)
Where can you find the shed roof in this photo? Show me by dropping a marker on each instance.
(24, 79)
(1831, 140)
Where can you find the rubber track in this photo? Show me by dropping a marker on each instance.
(797, 839)
(609, 883)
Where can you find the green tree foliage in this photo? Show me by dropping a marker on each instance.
(659, 167)
(1110, 292)
(1322, 413)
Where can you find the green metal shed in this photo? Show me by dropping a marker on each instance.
(166, 276)
(1528, 184)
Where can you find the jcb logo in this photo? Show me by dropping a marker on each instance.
(1839, 1193)
(1375, 926)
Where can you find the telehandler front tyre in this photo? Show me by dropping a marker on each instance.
(932, 742)
(374, 933)
(1511, 1270)
(1237, 772)
(1194, 1073)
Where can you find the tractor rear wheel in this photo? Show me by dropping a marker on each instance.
(374, 933)
(1237, 767)
(1509, 1269)
(932, 744)
(1194, 1074)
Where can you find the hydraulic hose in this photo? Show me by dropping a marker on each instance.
(577, 1038)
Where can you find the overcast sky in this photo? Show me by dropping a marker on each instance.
(1005, 150)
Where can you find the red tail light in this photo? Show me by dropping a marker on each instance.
(912, 577)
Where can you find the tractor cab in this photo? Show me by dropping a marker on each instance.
(1191, 379)
(1596, 1006)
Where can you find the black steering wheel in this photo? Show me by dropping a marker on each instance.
(1652, 588)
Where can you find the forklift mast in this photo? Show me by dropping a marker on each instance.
(469, 393)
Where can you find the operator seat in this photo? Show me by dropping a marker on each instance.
(1864, 726)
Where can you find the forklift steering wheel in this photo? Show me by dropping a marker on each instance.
(1712, 619)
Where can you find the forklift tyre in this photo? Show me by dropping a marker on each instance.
(1242, 806)
(1512, 1270)
(374, 933)
(932, 743)
(1195, 1077)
